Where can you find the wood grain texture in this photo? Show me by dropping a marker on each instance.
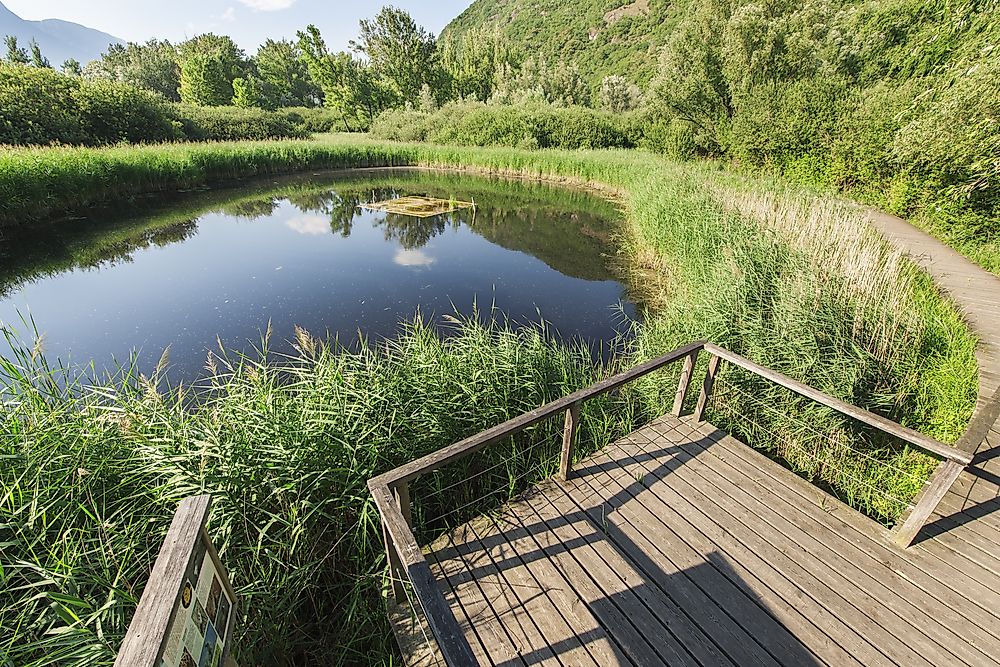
(145, 636)
(680, 545)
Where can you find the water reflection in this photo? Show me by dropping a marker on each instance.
(300, 251)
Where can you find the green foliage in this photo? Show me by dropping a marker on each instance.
(602, 37)
(247, 92)
(314, 119)
(204, 81)
(150, 66)
(471, 61)
(530, 126)
(400, 53)
(41, 106)
(37, 59)
(72, 67)
(894, 102)
(560, 84)
(284, 76)
(209, 63)
(114, 112)
(38, 106)
(618, 95)
(16, 55)
(350, 87)
(234, 123)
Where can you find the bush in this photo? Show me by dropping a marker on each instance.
(37, 106)
(111, 112)
(41, 106)
(314, 119)
(233, 123)
(527, 126)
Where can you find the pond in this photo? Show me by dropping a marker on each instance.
(201, 267)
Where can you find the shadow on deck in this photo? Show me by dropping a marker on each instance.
(679, 545)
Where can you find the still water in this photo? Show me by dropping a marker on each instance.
(219, 265)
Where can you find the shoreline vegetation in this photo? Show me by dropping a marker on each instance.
(791, 279)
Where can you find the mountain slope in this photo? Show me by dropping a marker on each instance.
(602, 36)
(58, 39)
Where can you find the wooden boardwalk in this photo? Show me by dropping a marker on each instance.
(679, 545)
(975, 496)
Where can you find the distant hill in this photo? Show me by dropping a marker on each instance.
(59, 40)
(602, 37)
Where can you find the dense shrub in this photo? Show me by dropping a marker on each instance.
(41, 106)
(112, 112)
(527, 126)
(316, 119)
(233, 123)
(37, 106)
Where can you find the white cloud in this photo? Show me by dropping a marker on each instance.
(412, 258)
(268, 5)
(229, 15)
(313, 225)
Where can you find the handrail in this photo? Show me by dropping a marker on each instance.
(920, 440)
(444, 626)
(434, 460)
(391, 495)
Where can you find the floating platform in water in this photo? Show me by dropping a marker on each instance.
(420, 207)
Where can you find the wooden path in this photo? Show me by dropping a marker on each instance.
(975, 495)
(679, 545)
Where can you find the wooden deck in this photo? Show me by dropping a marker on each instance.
(679, 545)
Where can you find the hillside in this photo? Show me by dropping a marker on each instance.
(602, 36)
(58, 39)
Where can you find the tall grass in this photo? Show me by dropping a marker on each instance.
(90, 474)
(91, 471)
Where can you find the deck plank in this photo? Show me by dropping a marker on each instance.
(679, 545)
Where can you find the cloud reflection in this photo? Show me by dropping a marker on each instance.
(412, 258)
(313, 225)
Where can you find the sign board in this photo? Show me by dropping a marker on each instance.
(187, 612)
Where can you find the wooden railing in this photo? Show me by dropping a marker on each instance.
(390, 490)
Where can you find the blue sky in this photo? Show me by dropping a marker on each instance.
(249, 22)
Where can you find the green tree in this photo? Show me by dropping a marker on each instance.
(247, 92)
(37, 59)
(399, 52)
(618, 94)
(209, 63)
(204, 81)
(349, 86)
(470, 61)
(285, 76)
(535, 80)
(16, 55)
(72, 67)
(151, 66)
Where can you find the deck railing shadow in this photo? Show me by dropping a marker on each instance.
(976, 504)
(409, 577)
(526, 521)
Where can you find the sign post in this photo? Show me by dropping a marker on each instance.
(187, 612)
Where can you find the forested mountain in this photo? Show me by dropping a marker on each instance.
(603, 37)
(59, 40)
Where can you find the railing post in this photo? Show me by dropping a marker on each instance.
(685, 382)
(926, 502)
(396, 573)
(706, 389)
(569, 434)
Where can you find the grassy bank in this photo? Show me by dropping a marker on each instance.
(773, 273)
